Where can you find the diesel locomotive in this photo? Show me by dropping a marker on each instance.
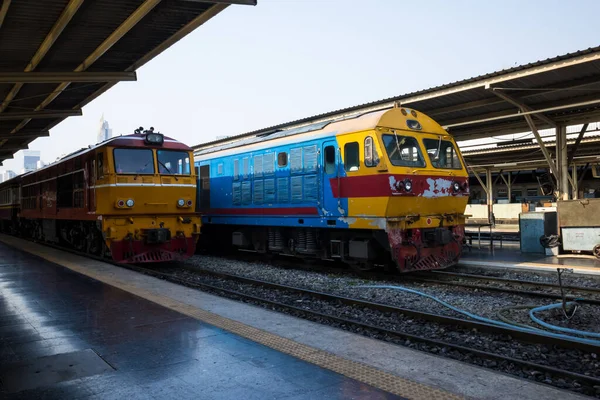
(131, 198)
(384, 188)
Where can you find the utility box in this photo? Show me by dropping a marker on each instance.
(580, 225)
(533, 225)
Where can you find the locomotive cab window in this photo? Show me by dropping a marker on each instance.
(172, 162)
(403, 151)
(282, 159)
(329, 156)
(442, 153)
(134, 161)
(371, 156)
(351, 157)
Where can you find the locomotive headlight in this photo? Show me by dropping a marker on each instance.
(130, 203)
(180, 202)
(408, 185)
(456, 186)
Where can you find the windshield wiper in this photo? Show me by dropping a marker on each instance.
(437, 152)
(168, 170)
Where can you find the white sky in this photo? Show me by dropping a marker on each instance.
(253, 67)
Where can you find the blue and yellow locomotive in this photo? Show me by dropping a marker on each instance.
(381, 188)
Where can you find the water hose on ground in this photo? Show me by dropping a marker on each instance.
(558, 328)
(500, 323)
(510, 321)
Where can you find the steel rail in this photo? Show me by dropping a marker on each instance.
(447, 320)
(513, 282)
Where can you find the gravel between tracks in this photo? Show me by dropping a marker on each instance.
(568, 359)
(481, 302)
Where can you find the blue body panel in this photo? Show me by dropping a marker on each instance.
(250, 188)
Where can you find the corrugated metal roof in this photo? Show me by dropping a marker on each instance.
(158, 24)
(553, 82)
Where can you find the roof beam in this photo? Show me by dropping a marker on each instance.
(51, 37)
(13, 149)
(576, 144)
(542, 145)
(59, 77)
(228, 2)
(531, 93)
(39, 114)
(495, 117)
(191, 26)
(521, 105)
(4, 11)
(109, 42)
(25, 135)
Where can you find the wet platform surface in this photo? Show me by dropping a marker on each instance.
(66, 336)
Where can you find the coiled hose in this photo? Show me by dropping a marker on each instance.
(549, 241)
(504, 324)
(558, 328)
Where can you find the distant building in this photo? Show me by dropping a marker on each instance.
(30, 160)
(6, 175)
(104, 132)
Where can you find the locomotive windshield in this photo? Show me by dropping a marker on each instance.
(403, 151)
(172, 162)
(442, 153)
(134, 161)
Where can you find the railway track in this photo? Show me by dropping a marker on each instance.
(297, 301)
(492, 283)
(398, 336)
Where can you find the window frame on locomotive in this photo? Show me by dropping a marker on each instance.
(156, 171)
(419, 137)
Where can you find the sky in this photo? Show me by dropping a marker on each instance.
(252, 67)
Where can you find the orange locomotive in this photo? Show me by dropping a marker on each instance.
(131, 198)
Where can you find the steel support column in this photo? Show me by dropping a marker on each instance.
(542, 146)
(577, 142)
(490, 195)
(561, 160)
(575, 191)
(508, 184)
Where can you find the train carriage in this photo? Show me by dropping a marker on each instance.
(131, 198)
(10, 204)
(375, 189)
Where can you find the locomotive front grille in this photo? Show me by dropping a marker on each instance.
(156, 236)
(438, 236)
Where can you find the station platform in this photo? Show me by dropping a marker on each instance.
(510, 256)
(75, 328)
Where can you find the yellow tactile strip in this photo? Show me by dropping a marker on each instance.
(351, 369)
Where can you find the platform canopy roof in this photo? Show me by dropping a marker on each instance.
(559, 90)
(58, 55)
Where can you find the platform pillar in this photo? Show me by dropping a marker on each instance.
(561, 161)
(490, 195)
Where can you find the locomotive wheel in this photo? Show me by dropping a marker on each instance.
(597, 251)
(94, 241)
